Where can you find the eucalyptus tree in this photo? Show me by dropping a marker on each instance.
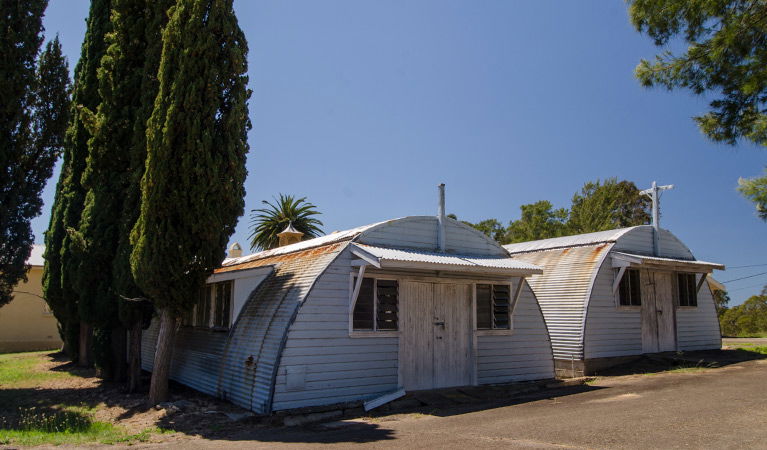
(192, 189)
(607, 205)
(755, 189)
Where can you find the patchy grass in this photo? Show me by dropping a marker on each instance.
(762, 350)
(101, 432)
(26, 419)
(70, 425)
(23, 370)
(687, 369)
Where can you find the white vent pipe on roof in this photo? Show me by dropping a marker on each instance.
(441, 218)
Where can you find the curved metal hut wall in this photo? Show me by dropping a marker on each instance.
(240, 366)
(575, 294)
(298, 316)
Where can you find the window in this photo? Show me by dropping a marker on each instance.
(213, 307)
(629, 289)
(223, 304)
(688, 292)
(377, 305)
(493, 306)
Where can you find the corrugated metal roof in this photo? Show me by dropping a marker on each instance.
(36, 257)
(569, 241)
(563, 291)
(392, 257)
(336, 236)
(667, 261)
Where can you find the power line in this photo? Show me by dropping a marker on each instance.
(743, 267)
(743, 278)
(746, 287)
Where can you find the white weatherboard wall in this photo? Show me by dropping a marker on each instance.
(321, 364)
(610, 330)
(525, 354)
(337, 367)
(698, 327)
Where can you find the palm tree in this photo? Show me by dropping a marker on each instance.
(266, 222)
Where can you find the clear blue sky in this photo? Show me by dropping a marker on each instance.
(365, 106)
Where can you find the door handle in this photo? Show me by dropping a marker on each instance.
(659, 311)
(442, 324)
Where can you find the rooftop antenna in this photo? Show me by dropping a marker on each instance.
(654, 194)
(441, 217)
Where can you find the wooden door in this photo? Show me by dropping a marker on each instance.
(416, 341)
(658, 313)
(453, 363)
(435, 341)
(664, 304)
(649, 320)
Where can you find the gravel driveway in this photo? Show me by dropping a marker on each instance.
(691, 408)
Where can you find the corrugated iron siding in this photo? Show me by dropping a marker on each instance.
(196, 356)
(563, 290)
(249, 363)
(522, 355)
(239, 366)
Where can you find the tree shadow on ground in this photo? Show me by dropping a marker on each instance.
(670, 361)
(373, 428)
(195, 414)
(64, 364)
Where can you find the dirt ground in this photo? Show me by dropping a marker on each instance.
(717, 388)
(686, 407)
(187, 414)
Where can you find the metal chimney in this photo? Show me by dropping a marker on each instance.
(441, 219)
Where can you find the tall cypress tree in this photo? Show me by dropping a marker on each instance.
(192, 191)
(65, 247)
(33, 116)
(109, 175)
(141, 39)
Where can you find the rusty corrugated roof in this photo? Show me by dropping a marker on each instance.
(569, 241)
(337, 236)
(271, 259)
(563, 291)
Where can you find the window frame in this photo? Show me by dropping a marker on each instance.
(375, 332)
(211, 291)
(626, 274)
(678, 286)
(512, 306)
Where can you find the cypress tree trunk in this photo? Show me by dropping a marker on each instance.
(134, 358)
(86, 341)
(158, 390)
(119, 353)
